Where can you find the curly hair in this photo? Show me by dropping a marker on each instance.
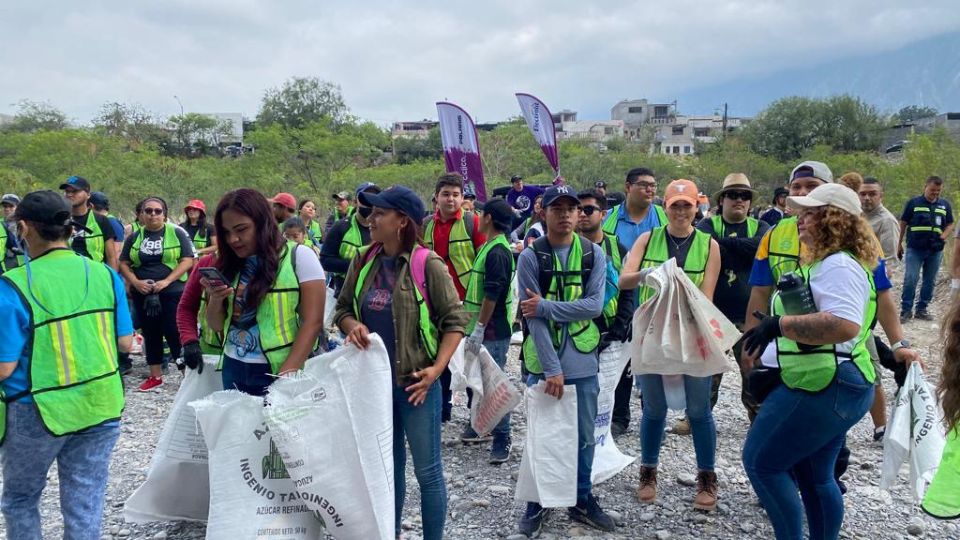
(838, 230)
(852, 180)
(948, 391)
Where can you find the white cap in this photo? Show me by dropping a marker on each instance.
(835, 195)
(817, 170)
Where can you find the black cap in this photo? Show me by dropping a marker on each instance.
(500, 211)
(600, 184)
(399, 198)
(780, 192)
(558, 193)
(515, 178)
(45, 206)
(98, 199)
(76, 182)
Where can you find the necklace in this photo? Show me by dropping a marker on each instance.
(678, 245)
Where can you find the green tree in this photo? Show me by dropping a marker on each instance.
(35, 116)
(131, 122)
(302, 101)
(911, 113)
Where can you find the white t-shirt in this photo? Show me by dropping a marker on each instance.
(839, 287)
(244, 344)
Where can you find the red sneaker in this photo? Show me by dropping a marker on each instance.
(150, 384)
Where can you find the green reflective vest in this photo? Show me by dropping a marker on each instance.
(429, 335)
(656, 253)
(566, 285)
(460, 250)
(4, 248)
(210, 342)
(94, 238)
(719, 226)
(74, 379)
(170, 256)
(784, 248)
(200, 238)
(813, 368)
(277, 316)
(473, 300)
(610, 224)
(942, 499)
(315, 232)
(612, 248)
(352, 240)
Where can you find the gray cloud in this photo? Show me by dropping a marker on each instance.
(394, 60)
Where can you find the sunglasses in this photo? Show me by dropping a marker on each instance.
(153, 211)
(589, 210)
(741, 195)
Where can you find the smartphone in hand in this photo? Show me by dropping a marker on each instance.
(214, 276)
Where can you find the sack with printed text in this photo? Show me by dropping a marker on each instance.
(608, 460)
(493, 394)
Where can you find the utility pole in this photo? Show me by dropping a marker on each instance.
(724, 119)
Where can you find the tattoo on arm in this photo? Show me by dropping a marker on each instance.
(816, 329)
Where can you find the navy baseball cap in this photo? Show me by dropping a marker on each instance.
(368, 187)
(399, 198)
(557, 193)
(76, 182)
(45, 206)
(99, 199)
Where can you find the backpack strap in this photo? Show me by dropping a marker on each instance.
(418, 271)
(544, 252)
(586, 263)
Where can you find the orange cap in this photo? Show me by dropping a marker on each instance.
(680, 190)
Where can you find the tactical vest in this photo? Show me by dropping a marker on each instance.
(170, 256)
(460, 250)
(656, 253)
(473, 300)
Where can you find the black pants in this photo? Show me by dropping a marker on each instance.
(155, 329)
(621, 399)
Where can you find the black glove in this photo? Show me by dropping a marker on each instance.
(757, 338)
(151, 305)
(192, 356)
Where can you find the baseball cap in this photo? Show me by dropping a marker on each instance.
(836, 195)
(396, 197)
(515, 178)
(600, 184)
(812, 169)
(76, 182)
(554, 194)
(285, 199)
(44, 206)
(368, 187)
(500, 211)
(10, 198)
(343, 196)
(196, 204)
(99, 199)
(680, 190)
(780, 192)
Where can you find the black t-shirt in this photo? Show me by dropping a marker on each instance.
(151, 254)
(677, 248)
(192, 231)
(498, 274)
(79, 241)
(737, 251)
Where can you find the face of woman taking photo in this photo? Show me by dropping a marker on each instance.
(241, 233)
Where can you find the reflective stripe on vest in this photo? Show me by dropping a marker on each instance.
(94, 238)
(656, 253)
(610, 224)
(566, 285)
(315, 233)
(612, 248)
(74, 379)
(473, 300)
(352, 241)
(429, 335)
(460, 250)
(200, 242)
(210, 341)
(719, 226)
(784, 248)
(277, 315)
(170, 254)
(813, 368)
(942, 499)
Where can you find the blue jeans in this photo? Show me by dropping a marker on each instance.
(421, 426)
(802, 433)
(915, 261)
(699, 413)
(498, 350)
(82, 459)
(588, 388)
(250, 379)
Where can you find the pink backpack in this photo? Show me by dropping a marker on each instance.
(418, 268)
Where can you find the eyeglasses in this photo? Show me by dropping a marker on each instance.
(741, 195)
(645, 185)
(153, 211)
(589, 210)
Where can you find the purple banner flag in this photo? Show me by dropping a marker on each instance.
(461, 147)
(540, 122)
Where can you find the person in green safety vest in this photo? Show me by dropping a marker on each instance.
(488, 301)
(345, 239)
(699, 257)
(155, 262)
(343, 207)
(96, 240)
(421, 325)
(639, 213)
(820, 373)
(199, 230)
(307, 210)
(942, 499)
(617, 318)
(271, 311)
(65, 322)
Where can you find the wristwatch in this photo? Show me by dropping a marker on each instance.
(902, 344)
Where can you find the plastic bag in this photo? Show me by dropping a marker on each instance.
(608, 460)
(679, 331)
(177, 487)
(548, 468)
(336, 441)
(329, 307)
(915, 430)
(493, 394)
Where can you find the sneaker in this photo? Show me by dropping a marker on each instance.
(647, 489)
(531, 523)
(681, 426)
(150, 384)
(878, 433)
(923, 315)
(588, 512)
(905, 316)
(706, 498)
(471, 436)
(617, 429)
(500, 451)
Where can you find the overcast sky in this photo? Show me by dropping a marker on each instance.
(394, 60)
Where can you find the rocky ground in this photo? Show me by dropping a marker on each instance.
(481, 503)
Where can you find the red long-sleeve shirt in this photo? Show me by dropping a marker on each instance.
(189, 306)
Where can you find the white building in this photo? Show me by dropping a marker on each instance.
(681, 136)
(591, 130)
